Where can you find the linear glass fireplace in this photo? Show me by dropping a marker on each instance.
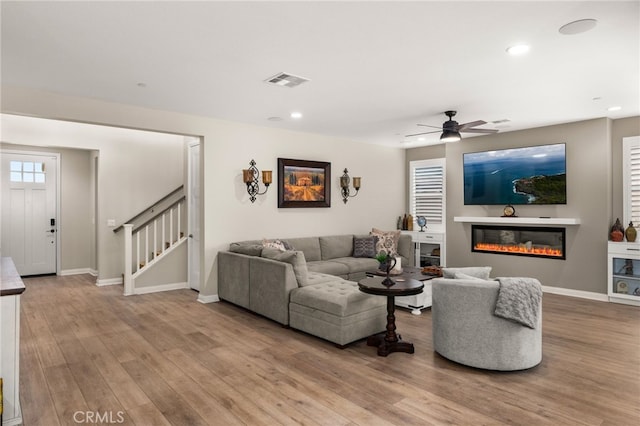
(519, 240)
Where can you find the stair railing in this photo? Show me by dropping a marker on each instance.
(144, 244)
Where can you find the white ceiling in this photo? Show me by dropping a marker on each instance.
(376, 68)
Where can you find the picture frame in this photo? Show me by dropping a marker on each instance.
(303, 183)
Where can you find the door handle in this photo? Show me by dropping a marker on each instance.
(51, 231)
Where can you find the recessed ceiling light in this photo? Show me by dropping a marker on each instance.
(421, 139)
(296, 115)
(577, 27)
(614, 108)
(274, 118)
(518, 49)
(141, 84)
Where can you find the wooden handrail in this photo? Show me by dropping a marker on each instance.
(145, 223)
(149, 209)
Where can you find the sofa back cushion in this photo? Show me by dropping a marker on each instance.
(335, 246)
(481, 272)
(294, 257)
(248, 249)
(310, 246)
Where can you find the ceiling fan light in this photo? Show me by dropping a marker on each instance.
(450, 136)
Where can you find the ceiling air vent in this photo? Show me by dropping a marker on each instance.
(286, 80)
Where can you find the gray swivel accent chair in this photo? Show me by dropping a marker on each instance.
(466, 331)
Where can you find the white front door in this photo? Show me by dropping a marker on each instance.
(193, 196)
(29, 233)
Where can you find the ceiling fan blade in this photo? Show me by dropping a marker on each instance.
(424, 133)
(479, 130)
(472, 124)
(427, 125)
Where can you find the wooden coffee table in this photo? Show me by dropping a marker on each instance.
(390, 341)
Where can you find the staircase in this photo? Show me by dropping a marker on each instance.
(151, 236)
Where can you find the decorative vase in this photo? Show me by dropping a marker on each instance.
(631, 233)
(617, 231)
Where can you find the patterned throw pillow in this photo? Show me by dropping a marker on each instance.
(276, 244)
(387, 241)
(365, 246)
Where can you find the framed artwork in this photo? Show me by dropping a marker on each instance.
(303, 183)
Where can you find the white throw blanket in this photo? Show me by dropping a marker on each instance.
(519, 300)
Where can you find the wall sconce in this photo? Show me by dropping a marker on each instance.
(250, 177)
(344, 185)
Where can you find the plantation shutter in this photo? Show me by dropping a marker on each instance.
(427, 194)
(631, 180)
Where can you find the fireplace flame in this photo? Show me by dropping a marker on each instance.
(510, 248)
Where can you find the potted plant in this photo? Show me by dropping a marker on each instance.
(383, 258)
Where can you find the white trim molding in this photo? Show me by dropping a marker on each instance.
(79, 271)
(108, 281)
(601, 297)
(161, 287)
(208, 299)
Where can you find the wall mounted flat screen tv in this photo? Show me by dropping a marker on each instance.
(532, 175)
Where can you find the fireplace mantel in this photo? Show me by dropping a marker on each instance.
(519, 220)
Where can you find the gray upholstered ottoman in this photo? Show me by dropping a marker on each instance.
(337, 311)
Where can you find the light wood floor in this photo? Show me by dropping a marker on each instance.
(164, 359)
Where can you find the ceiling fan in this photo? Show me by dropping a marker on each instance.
(451, 129)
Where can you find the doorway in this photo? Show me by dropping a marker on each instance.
(30, 211)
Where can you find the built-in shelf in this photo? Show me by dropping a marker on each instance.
(520, 220)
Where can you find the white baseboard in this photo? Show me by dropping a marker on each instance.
(108, 281)
(576, 293)
(162, 287)
(78, 271)
(208, 299)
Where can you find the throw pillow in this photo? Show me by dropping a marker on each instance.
(461, 276)
(364, 247)
(387, 241)
(295, 258)
(276, 244)
(481, 272)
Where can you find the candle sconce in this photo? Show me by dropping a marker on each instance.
(344, 185)
(250, 177)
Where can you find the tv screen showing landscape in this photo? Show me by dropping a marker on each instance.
(532, 175)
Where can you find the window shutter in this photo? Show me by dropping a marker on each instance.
(631, 178)
(428, 191)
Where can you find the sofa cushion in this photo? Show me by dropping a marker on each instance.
(481, 272)
(248, 249)
(338, 297)
(309, 245)
(364, 246)
(387, 241)
(358, 264)
(294, 257)
(329, 267)
(336, 246)
(314, 278)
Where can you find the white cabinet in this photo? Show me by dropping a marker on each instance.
(429, 248)
(624, 273)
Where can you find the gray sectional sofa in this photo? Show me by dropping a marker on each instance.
(312, 287)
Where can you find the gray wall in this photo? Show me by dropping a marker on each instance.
(590, 197)
(227, 148)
